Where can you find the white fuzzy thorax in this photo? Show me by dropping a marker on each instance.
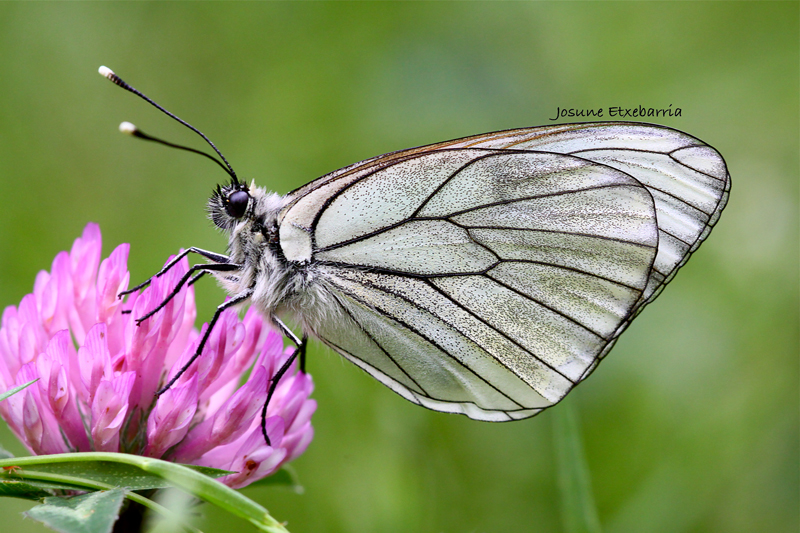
(279, 287)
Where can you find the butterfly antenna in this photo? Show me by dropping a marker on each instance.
(130, 129)
(108, 73)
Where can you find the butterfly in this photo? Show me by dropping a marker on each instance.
(485, 276)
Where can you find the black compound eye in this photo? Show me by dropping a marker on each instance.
(237, 204)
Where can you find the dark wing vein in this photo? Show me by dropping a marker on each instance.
(384, 270)
(502, 334)
(573, 269)
(445, 182)
(430, 340)
(556, 311)
(378, 344)
(676, 237)
(669, 154)
(574, 233)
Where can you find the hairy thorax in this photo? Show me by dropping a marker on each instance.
(279, 286)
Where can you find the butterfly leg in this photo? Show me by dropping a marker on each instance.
(239, 298)
(273, 382)
(217, 258)
(300, 343)
(303, 353)
(225, 267)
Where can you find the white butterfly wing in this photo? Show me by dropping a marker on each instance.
(688, 179)
(482, 277)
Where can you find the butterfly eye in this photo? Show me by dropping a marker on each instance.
(237, 204)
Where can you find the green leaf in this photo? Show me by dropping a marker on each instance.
(113, 474)
(190, 480)
(578, 510)
(95, 512)
(65, 482)
(207, 470)
(8, 480)
(15, 390)
(22, 489)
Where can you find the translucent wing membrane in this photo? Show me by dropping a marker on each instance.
(489, 275)
(687, 178)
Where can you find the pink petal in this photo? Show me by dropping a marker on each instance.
(230, 421)
(112, 279)
(109, 408)
(107, 383)
(84, 257)
(169, 421)
(94, 361)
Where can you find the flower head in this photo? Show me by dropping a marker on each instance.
(98, 372)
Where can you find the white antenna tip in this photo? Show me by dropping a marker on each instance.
(105, 72)
(127, 127)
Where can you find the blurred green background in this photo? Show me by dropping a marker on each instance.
(691, 425)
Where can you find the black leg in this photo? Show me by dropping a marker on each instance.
(217, 258)
(273, 383)
(186, 277)
(287, 331)
(301, 351)
(239, 298)
(300, 343)
(303, 354)
(142, 285)
(194, 279)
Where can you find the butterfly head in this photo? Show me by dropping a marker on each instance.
(229, 205)
(248, 214)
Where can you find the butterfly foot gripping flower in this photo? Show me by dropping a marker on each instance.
(98, 372)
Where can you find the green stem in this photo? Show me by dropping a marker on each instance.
(82, 483)
(578, 510)
(184, 478)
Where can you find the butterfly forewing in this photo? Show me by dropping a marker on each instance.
(489, 280)
(687, 178)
